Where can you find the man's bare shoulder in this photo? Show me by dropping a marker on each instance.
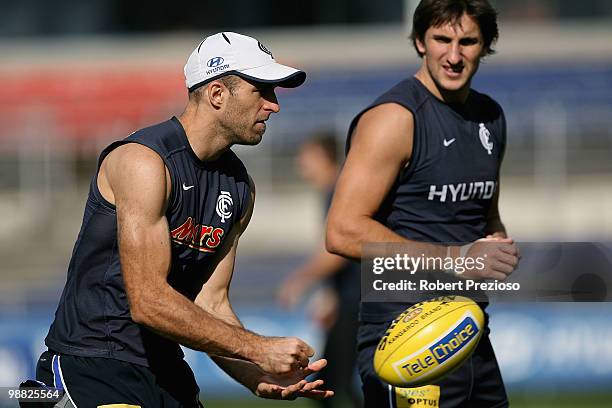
(130, 168)
(389, 108)
(386, 111)
(387, 127)
(130, 154)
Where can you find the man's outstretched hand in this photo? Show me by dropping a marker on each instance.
(293, 385)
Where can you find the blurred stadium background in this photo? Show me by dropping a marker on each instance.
(77, 75)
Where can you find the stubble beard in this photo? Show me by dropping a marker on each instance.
(241, 132)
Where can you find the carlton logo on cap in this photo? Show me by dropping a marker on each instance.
(231, 53)
(264, 49)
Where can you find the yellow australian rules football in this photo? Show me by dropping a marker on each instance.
(429, 340)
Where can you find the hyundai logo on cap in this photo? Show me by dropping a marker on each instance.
(227, 52)
(214, 62)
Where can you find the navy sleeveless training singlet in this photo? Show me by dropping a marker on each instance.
(207, 200)
(445, 192)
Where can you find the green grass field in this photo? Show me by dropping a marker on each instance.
(530, 401)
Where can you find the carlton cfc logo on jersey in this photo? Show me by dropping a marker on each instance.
(484, 135)
(204, 238)
(224, 205)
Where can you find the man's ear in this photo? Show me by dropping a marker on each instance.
(420, 45)
(216, 93)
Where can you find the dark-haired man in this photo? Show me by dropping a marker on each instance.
(153, 261)
(423, 169)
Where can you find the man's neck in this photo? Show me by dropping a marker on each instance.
(205, 141)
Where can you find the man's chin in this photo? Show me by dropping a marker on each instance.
(258, 136)
(453, 85)
(252, 140)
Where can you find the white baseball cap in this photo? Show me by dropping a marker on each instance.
(230, 53)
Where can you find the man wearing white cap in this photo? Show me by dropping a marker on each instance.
(155, 255)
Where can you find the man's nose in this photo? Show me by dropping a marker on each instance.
(454, 54)
(271, 103)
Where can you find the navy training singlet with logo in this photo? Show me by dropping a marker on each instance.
(206, 201)
(445, 192)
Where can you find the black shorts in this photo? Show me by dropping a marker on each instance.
(476, 384)
(95, 381)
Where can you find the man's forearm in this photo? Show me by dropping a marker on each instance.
(174, 316)
(245, 372)
(347, 239)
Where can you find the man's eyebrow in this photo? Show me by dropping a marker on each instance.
(472, 37)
